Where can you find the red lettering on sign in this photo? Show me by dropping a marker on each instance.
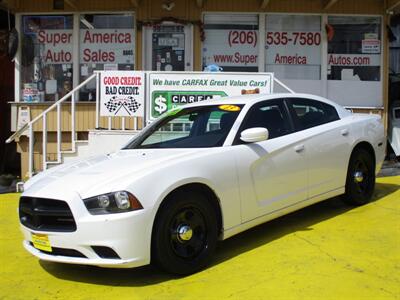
(131, 80)
(293, 38)
(107, 38)
(57, 57)
(111, 80)
(290, 59)
(54, 38)
(98, 56)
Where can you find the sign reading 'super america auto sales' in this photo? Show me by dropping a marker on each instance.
(96, 46)
(122, 93)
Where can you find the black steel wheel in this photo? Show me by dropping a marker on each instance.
(184, 234)
(360, 181)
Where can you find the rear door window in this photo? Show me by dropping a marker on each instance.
(309, 113)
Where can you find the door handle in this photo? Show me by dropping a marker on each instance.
(344, 132)
(299, 148)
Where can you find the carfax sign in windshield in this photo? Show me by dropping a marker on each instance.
(168, 90)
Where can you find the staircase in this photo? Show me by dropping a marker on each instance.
(79, 148)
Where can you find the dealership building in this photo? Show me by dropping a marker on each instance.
(338, 49)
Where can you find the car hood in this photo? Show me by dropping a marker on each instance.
(99, 174)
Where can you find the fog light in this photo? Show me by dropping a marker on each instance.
(104, 201)
(122, 200)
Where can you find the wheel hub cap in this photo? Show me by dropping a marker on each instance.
(358, 177)
(185, 233)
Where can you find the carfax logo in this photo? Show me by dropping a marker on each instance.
(116, 103)
(166, 100)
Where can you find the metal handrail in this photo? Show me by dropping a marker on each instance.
(43, 116)
(20, 131)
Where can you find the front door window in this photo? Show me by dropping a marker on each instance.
(169, 46)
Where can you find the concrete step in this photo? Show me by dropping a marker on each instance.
(81, 151)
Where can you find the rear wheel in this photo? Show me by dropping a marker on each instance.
(360, 182)
(185, 234)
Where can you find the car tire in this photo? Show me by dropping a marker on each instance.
(360, 181)
(185, 234)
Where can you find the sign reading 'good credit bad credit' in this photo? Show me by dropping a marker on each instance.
(122, 93)
(170, 90)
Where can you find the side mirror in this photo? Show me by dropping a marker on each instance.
(253, 135)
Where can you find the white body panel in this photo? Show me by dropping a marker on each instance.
(253, 182)
(261, 192)
(394, 127)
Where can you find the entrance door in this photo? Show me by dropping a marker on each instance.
(168, 47)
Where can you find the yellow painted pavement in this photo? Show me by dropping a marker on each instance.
(326, 251)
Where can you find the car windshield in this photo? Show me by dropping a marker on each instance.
(194, 127)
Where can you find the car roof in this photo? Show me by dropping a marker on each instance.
(254, 98)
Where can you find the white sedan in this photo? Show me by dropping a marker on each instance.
(199, 174)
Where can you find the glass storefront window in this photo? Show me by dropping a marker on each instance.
(46, 57)
(231, 42)
(107, 42)
(293, 46)
(354, 48)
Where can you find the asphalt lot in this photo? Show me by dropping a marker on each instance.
(326, 251)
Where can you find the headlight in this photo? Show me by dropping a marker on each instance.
(112, 203)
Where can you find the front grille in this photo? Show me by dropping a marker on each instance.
(62, 252)
(46, 214)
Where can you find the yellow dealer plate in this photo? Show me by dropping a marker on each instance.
(41, 242)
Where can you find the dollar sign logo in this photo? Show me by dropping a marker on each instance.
(161, 106)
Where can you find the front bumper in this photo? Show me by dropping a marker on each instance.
(99, 262)
(128, 234)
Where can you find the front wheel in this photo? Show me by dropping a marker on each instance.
(360, 181)
(185, 234)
